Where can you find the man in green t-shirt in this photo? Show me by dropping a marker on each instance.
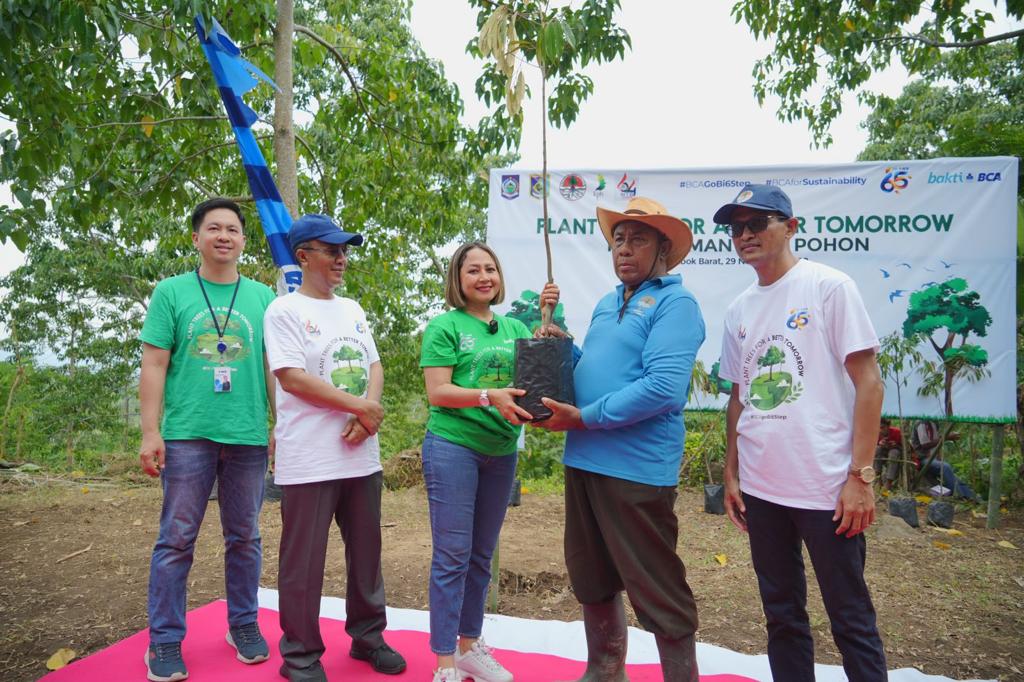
(203, 362)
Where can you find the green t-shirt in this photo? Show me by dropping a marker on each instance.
(478, 360)
(178, 320)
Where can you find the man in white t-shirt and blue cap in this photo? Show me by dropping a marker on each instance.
(801, 423)
(330, 382)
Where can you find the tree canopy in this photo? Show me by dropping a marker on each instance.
(118, 122)
(953, 109)
(823, 50)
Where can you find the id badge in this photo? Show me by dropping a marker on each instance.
(221, 379)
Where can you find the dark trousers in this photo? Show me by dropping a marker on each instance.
(622, 535)
(307, 510)
(776, 533)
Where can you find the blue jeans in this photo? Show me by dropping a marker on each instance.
(943, 472)
(776, 533)
(468, 493)
(190, 468)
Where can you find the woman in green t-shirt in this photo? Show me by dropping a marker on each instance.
(469, 456)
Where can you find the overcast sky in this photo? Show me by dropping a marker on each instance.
(681, 97)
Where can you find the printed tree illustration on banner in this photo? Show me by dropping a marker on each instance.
(526, 309)
(720, 385)
(950, 308)
(773, 356)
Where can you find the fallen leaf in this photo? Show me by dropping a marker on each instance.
(886, 493)
(77, 473)
(721, 559)
(1007, 544)
(1019, 581)
(137, 522)
(979, 515)
(525, 491)
(60, 658)
(954, 532)
(947, 531)
(941, 545)
(85, 489)
(923, 499)
(19, 523)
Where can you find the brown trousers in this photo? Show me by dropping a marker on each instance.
(622, 535)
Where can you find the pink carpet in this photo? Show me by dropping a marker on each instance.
(211, 659)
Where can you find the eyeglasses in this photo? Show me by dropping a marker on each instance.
(333, 253)
(756, 225)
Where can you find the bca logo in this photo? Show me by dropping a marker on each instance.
(990, 177)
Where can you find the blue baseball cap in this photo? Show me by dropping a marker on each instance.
(759, 197)
(321, 227)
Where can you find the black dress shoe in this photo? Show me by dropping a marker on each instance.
(383, 659)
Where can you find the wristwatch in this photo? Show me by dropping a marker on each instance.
(865, 474)
(485, 400)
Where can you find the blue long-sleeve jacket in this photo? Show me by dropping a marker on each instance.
(632, 377)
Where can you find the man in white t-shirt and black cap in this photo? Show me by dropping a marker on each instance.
(801, 425)
(330, 382)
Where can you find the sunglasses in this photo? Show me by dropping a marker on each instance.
(756, 225)
(332, 253)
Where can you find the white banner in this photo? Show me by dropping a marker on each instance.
(931, 245)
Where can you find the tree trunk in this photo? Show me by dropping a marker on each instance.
(284, 133)
(995, 486)
(19, 374)
(948, 386)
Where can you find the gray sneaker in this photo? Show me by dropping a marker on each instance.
(164, 663)
(250, 647)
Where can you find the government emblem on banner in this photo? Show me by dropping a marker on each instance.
(573, 187)
(509, 186)
(627, 187)
(538, 188)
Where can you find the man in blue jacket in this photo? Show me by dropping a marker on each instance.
(624, 445)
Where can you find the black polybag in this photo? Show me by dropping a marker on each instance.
(544, 370)
(714, 498)
(940, 513)
(905, 508)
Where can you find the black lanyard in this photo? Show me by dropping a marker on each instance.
(221, 346)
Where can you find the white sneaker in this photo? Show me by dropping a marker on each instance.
(447, 675)
(479, 664)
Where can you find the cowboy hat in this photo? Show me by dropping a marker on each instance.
(653, 214)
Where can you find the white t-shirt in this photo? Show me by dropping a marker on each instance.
(784, 345)
(331, 341)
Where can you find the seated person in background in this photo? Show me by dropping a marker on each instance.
(924, 440)
(887, 452)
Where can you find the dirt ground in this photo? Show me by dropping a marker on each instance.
(953, 609)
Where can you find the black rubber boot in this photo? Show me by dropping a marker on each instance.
(678, 658)
(605, 625)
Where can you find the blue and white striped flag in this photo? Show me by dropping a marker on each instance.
(235, 76)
